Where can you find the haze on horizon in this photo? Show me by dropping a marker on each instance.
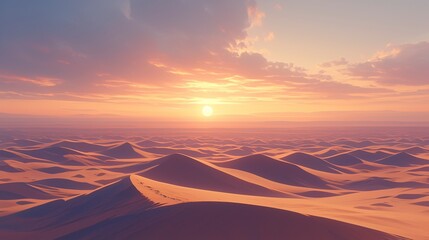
(258, 61)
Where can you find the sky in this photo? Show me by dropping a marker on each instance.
(250, 61)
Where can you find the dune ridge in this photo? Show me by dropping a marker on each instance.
(303, 185)
(121, 209)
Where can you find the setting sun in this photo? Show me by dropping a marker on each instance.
(207, 111)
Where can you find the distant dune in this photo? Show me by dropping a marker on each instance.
(17, 156)
(377, 183)
(240, 151)
(298, 184)
(149, 143)
(276, 170)
(402, 160)
(344, 160)
(80, 146)
(369, 156)
(6, 167)
(26, 142)
(167, 151)
(19, 190)
(61, 155)
(64, 184)
(185, 171)
(313, 162)
(53, 170)
(415, 150)
(124, 150)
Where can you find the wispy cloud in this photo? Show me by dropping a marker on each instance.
(406, 64)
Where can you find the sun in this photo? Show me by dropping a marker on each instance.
(207, 111)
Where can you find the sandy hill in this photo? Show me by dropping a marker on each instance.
(415, 150)
(403, 160)
(240, 151)
(124, 210)
(186, 171)
(355, 144)
(63, 184)
(17, 156)
(20, 190)
(368, 156)
(343, 160)
(377, 183)
(275, 170)
(63, 155)
(313, 162)
(149, 143)
(327, 152)
(172, 150)
(119, 198)
(420, 169)
(26, 142)
(124, 150)
(79, 145)
(6, 167)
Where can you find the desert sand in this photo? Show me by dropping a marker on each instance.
(215, 184)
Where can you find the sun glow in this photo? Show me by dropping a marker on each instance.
(207, 111)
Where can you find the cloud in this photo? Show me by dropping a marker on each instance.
(269, 37)
(406, 64)
(255, 15)
(335, 63)
(278, 7)
(119, 49)
(85, 43)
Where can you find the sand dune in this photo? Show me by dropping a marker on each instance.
(4, 154)
(149, 143)
(415, 150)
(17, 156)
(213, 185)
(124, 150)
(276, 170)
(67, 216)
(344, 160)
(402, 160)
(377, 183)
(241, 151)
(26, 142)
(368, 156)
(420, 169)
(355, 144)
(61, 155)
(122, 209)
(410, 196)
(19, 190)
(64, 183)
(80, 146)
(53, 170)
(227, 221)
(313, 162)
(172, 150)
(327, 153)
(316, 194)
(185, 171)
(6, 167)
(423, 203)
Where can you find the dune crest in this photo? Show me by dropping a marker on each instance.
(122, 209)
(276, 170)
(104, 187)
(186, 171)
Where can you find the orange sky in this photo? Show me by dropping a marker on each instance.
(248, 60)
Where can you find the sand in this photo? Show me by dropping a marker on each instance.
(206, 185)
